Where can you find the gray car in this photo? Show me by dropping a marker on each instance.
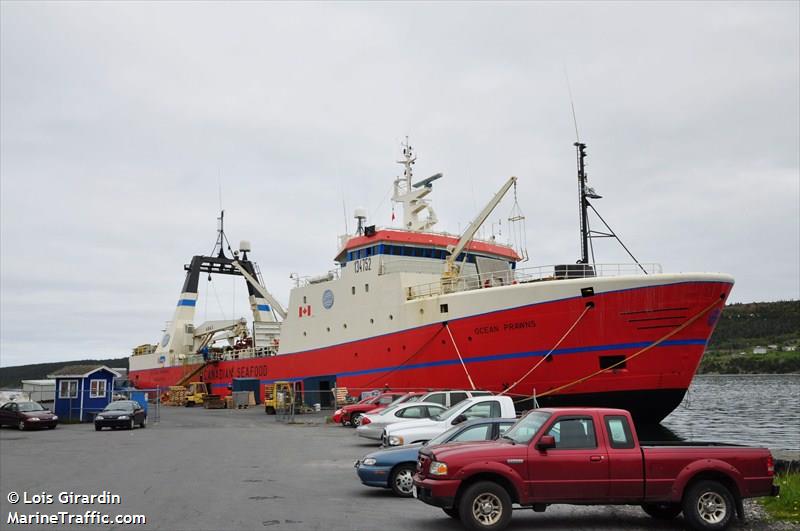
(372, 425)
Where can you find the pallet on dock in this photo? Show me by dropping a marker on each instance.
(176, 395)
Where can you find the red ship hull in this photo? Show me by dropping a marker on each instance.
(499, 347)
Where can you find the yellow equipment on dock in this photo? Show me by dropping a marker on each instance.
(278, 395)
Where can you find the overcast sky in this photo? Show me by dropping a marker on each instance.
(120, 122)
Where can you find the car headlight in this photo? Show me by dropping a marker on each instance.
(34, 419)
(395, 440)
(369, 461)
(99, 417)
(123, 417)
(55, 417)
(438, 469)
(337, 412)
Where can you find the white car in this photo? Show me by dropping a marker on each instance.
(372, 424)
(426, 429)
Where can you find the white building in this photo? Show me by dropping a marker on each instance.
(40, 390)
(759, 350)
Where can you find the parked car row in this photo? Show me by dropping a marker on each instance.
(26, 415)
(477, 462)
(353, 414)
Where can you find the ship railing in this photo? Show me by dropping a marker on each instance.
(232, 354)
(545, 273)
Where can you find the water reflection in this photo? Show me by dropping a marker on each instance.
(760, 410)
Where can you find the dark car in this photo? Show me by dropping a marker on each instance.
(394, 467)
(121, 414)
(26, 415)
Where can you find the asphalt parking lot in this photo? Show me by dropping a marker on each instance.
(240, 469)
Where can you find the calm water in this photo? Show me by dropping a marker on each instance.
(761, 410)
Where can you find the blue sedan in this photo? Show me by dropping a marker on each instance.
(394, 467)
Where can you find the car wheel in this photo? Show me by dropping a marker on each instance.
(485, 506)
(144, 422)
(662, 511)
(452, 512)
(355, 420)
(130, 424)
(97, 428)
(21, 425)
(708, 505)
(402, 480)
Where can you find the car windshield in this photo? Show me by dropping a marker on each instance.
(447, 413)
(30, 406)
(119, 406)
(444, 437)
(523, 431)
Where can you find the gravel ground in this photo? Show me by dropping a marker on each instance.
(240, 469)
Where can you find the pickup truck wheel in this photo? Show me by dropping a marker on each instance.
(662, 511)
(708, 505)
(355, 420)
(452, 512)
(402, 480)
(485, 506)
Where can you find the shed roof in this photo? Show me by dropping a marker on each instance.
(80, 371)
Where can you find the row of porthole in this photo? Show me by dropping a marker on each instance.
(344, 325)
(352, 290)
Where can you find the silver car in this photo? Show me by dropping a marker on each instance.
(372, 425)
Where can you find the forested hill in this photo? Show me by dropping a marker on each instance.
(10, 377)
(757, 323)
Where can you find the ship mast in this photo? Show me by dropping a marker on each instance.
(412, 196)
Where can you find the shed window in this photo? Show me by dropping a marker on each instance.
(97, 389)
(68, 389)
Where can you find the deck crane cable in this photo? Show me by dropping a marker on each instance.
(463, 365)
(516, 226)
(639, 353)
(546, 356)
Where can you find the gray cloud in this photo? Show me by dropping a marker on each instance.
(119, 122)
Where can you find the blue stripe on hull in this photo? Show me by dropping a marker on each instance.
(499, 357)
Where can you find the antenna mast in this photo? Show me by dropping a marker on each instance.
(583, 203)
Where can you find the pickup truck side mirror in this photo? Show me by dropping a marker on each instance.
(545, 442)
(459, 419)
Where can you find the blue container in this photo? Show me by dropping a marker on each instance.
(141, 397)
(248, 384)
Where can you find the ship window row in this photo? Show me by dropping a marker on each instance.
(406, 250)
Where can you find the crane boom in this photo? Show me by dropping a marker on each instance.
(450, 268)
(260, 289)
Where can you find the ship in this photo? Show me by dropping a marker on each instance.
(410, 308)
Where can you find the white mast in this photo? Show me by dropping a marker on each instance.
(412, 196)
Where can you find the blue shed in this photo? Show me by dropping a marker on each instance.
(82, 391)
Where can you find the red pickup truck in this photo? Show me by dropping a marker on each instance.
(590, 456)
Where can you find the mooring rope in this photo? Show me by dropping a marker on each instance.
(382, 375)
(632, 356)
(588, 307)
(463, 365)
